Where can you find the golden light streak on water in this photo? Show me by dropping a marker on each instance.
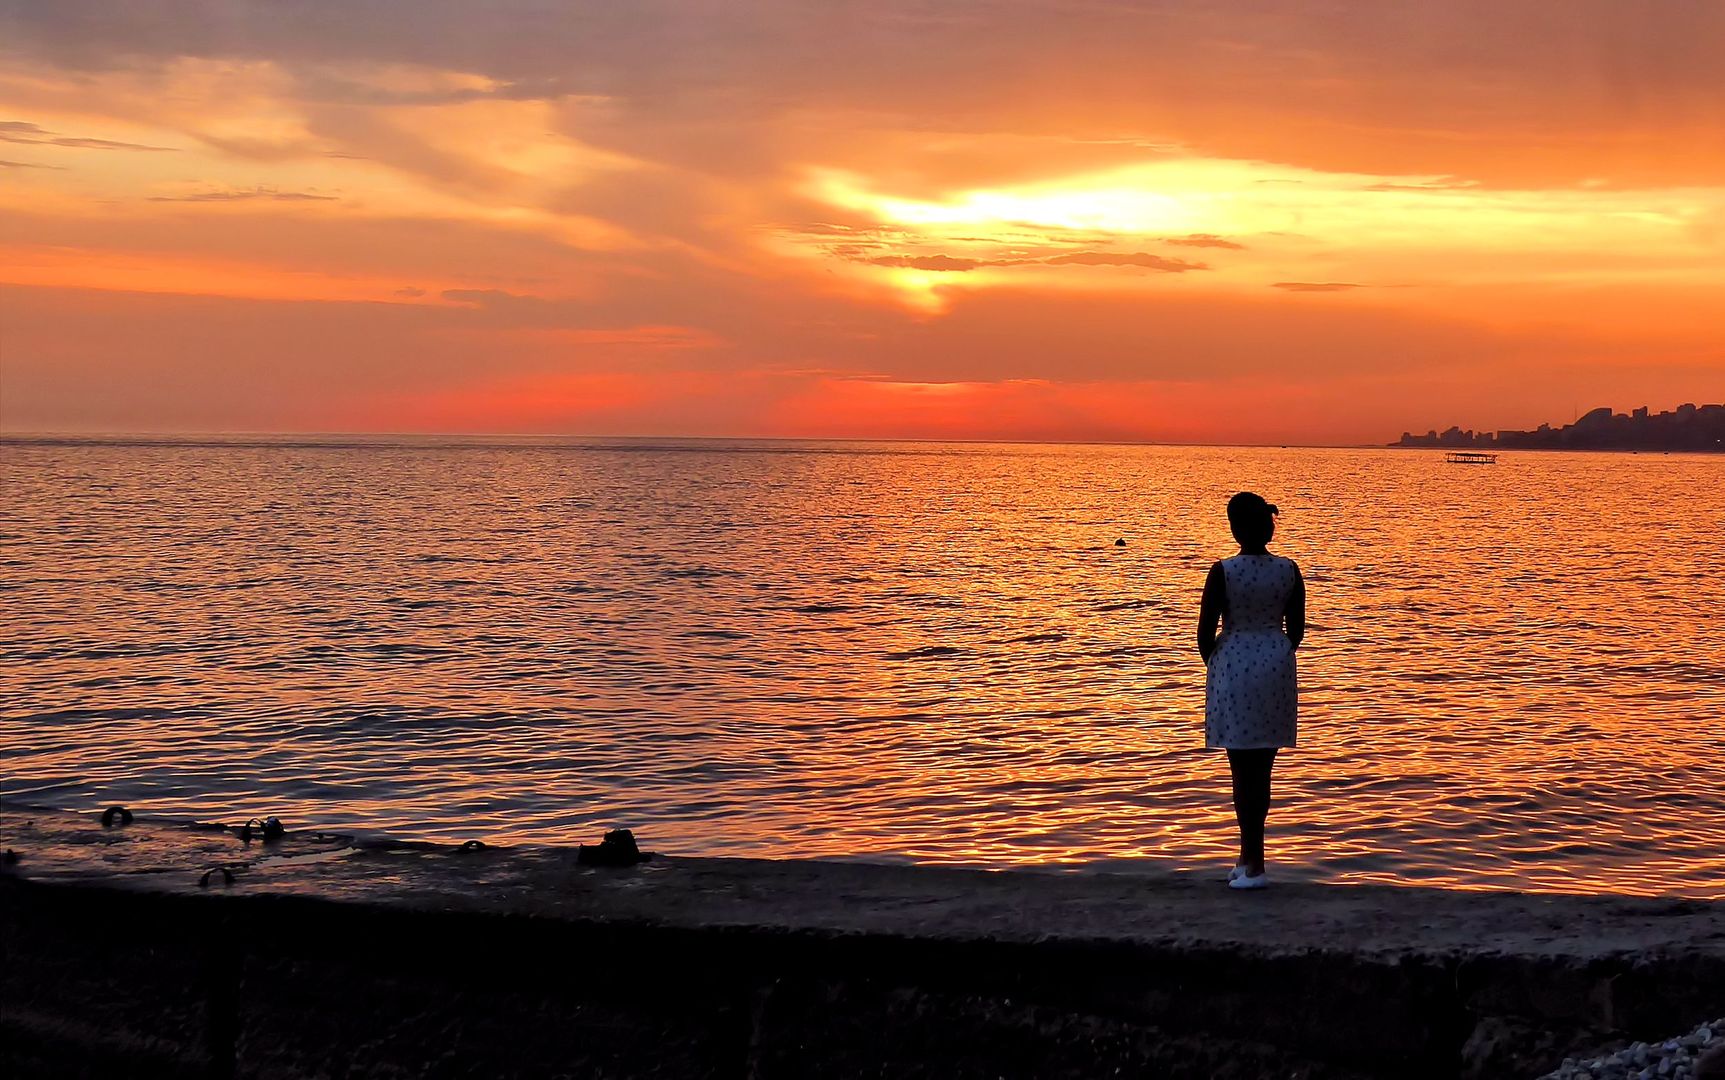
(1514, 677)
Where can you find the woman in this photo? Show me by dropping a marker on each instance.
(1250, 693)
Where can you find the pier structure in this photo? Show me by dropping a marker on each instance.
(145, 949)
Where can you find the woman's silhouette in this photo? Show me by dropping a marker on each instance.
(1250, 693)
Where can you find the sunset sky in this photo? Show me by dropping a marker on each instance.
(1196, 220)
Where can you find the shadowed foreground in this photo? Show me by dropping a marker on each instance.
(326, 958)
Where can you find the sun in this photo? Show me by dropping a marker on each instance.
(1064, 206)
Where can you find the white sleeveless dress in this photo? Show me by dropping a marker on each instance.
(1251, 692)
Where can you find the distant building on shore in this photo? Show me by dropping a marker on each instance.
(1688, 427)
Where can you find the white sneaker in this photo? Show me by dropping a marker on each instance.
(1250, 881)
(1238, 869)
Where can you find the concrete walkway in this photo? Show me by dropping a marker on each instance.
(857, 897)
(1340, 978)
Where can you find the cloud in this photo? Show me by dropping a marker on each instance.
(1210, 240)
(241, 196)
(636, 337)
(1537, 91)
(18, 131)
(411, 292)
(1137, 258)
(1315, 286)
(1023, 331)
(108, 144)
(28, 165)
(406, 85)
(951, 263)
(1443, 183)
(493, 298)
(829, 228)
(933, 262)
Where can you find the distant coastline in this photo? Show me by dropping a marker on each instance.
(1689, 427)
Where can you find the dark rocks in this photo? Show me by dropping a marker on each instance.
(1699, 1055)
(209, 876)
(1513, 1045)
(617, 849)
(269, 830)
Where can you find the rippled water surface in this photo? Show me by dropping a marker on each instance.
(1515, 675)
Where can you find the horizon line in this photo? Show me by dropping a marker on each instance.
(1393, 443)
(116, 436)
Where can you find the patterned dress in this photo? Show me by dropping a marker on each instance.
(1251, 692)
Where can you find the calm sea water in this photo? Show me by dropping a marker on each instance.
(1515, 675)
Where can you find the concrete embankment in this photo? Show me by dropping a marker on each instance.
(326, 959)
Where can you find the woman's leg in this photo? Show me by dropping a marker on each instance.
(1242, 766)
(1251, 775)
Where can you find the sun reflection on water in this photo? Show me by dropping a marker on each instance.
(906, 651)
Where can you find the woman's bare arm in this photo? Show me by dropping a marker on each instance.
(1296, 614)
(1210, 609)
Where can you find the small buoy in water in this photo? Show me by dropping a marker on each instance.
(468, 847)
(1120, 542)
(113, 813)
(227, 876)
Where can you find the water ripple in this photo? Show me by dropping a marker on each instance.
(901, 652)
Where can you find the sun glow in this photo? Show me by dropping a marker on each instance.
(1250, 225)
(1138, 206)
(1076, 206)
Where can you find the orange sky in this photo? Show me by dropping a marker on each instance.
(1201, 220)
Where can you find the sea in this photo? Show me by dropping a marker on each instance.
(967, 654)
